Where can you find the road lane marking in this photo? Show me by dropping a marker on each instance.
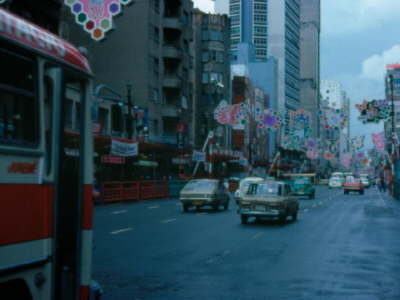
(168, 221)
(305, 210)
(257, 235)
(201, 213)
(117, 212)
(154, 207)
(121, 230)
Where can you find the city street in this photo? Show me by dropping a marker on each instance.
(341, 247)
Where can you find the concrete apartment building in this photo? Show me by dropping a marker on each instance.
(212, 74)
(310, 18)
(394, 71)
(150, 53)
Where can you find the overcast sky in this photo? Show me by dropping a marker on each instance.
(358, 38)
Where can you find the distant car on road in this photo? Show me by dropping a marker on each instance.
(335, 182)
(204, 192)
(365, 181)
(353, 184)
(302, 186)
(244, 185)
(268, 199)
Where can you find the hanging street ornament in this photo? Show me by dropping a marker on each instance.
(96, 16)
(269, 119)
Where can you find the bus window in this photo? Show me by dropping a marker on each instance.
(18, 109)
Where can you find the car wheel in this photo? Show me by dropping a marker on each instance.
(215, 206)
(361, 192)
(294, 216)
(185, 207)
(243, 219)
(282, 218)
(311, 196)
(346, 192)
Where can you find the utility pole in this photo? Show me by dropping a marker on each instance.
(129, 119)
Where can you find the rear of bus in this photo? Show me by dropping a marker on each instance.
(45, 169)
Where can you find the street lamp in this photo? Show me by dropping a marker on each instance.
(129, 119)
(390, 82)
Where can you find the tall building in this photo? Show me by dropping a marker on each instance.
(249, 24)
(392, 70)
(221, 7)
(310, 18)
(284, 44)
(212, 74)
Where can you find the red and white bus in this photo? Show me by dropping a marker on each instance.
(45, 194)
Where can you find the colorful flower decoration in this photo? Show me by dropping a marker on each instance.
(378, 139)
(269, 119)
(312, 154)
(345, 160)
(232, 115)
(358, 142)
(96, 16)
(374, 111)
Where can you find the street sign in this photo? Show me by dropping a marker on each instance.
(199, 156)
(124, 148)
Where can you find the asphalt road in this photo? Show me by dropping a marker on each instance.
(341, 247)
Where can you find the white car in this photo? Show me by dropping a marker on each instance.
(335, 182)
(244, 185)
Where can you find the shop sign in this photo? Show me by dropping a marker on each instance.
(180, 161)
(243, 161)
(199, 156)
(124, 148)
(112, 159)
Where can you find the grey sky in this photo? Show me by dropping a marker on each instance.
(358, 38)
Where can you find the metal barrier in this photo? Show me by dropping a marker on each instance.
(134, 190)
(131, 190)
(153, 189)
(112, 191)
(175, 187)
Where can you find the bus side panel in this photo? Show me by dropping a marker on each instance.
(25, 212)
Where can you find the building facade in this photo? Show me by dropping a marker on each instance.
(249, 24)
(310, 19)
(392, 71)
(153, 59)
(284, 45)
(212, 74)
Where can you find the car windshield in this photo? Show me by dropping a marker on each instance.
(199, 185)
(268, 189)
(351, 179)
(302, 181)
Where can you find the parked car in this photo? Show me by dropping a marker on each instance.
(204, 192)
(354, 185)
(244, 185)
(335, 182)
(302, 186)
(365, 181)
(268, 199)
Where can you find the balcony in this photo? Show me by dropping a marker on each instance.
(172, 22)
(172, 52)
(170, 111)
(172, 81)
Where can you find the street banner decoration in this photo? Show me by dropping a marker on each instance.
(360, 155)
(345, 160)
(124, 149)
(358, 142)
(269, 119)
(378, 139)
(112, 159)
(96, 16)
(333, 118)
(312, 154)
(232, 115)
(374, 111)
(330, 157)
(198, 156)
(299, 128)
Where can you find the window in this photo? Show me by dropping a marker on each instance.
(103, 119)
(204, 77)
(18, 108)
(156, 130)
(155, 96)
(205, 56)
(157, 6)
(77, 116)
(156, 65)
(156, 35)
(68, 113)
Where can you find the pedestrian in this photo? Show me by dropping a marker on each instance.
(383, 184)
